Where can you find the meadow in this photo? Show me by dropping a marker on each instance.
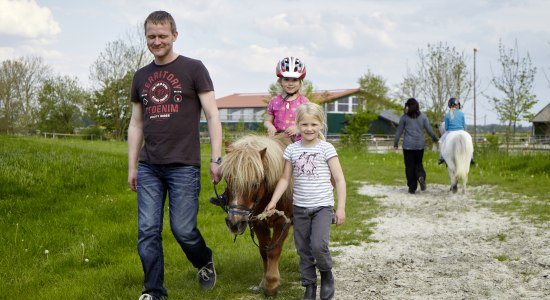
(69, 220)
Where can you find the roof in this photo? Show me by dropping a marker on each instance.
(390, 115)
(251, 100)
(542, 116)
(243, 100)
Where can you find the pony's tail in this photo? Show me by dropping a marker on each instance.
(463, 150)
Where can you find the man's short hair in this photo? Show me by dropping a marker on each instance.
(161, 16)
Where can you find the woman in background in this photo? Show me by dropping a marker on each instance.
(412, 125)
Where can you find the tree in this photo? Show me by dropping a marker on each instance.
(307, 90)
(110, 106)
(20, 81)
(112, 72)
(442, 73)
(373, 98)
(61, 100)
(120, 57)
(409, 88)
(516, 82)
(374, 93)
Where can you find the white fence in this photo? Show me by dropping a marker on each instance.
(55, 135)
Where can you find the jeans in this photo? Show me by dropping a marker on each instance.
(311, 239)
(413, 167)
(182, 185)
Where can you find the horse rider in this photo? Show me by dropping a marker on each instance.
(454, 120)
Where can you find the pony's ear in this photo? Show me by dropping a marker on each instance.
(228, 146)
(263, 152)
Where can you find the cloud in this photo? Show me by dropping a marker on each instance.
(6, 53)
(26, 19)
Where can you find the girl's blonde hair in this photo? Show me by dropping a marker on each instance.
(314, 110)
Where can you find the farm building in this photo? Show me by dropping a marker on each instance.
(541, 124)
(386, 123)
(248, 109)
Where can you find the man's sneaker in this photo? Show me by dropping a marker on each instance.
(422, 182)
(441, 160)
(207, 276)
(148, 297)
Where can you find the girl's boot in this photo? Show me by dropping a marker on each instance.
(311, 291)
(327, 285)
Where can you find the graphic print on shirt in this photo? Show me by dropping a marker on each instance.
(305, 165)
(156, 93)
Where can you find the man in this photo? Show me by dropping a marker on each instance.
(164, 153)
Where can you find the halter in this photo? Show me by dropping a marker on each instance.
(248, 213)
(220, 201)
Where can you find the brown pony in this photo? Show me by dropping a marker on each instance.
(251, 168)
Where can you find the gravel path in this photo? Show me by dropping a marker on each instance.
(437, 245)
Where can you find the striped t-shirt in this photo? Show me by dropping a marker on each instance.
(312, 186)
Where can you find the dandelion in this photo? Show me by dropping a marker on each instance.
(83, 250)
(47, 252)
(86, 260)
(16, 231)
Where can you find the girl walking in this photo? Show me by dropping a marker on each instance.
(310, 163)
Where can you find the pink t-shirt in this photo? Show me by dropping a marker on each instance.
(284, 112)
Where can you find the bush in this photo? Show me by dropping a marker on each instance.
(94, 133)
(492, 145)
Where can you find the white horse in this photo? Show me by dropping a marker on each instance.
(457, 150)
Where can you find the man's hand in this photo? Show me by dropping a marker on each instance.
(215, 172)
(132, 179)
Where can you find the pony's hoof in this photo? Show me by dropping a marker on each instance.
(256, 289)
(271, 293)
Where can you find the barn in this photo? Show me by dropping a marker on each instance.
(541, 124)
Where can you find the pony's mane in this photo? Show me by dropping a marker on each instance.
(244, 167)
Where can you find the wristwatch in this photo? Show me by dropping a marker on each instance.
(216, 161)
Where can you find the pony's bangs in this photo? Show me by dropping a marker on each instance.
(244, 168)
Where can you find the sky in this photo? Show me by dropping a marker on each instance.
(240, 41)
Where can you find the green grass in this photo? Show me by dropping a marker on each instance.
(502, 257)
(527, 175)
(70, 197)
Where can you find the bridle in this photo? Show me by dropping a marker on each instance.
(249, 217)
(220, 201)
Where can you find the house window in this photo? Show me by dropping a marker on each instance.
(354, 103)
(331, 107)
(343, 105)
(259, 114)
(234, 114)
(223, 114)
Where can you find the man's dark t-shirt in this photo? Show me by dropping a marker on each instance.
(171, 110)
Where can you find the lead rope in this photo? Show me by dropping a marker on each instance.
(262, 217)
